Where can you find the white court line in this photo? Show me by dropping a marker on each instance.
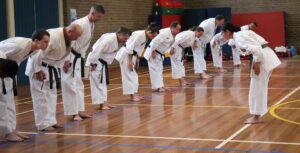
(248, 125)
(164, 138)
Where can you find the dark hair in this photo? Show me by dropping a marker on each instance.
(219, 17)
(254, 24)
(39, 34)
(174, 24)
(153, 27)
(8, 68)
(197, 29)
(123, 31)
(99, 8)
(230, 27)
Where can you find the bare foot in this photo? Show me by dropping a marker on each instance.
(204, 76)
(142, 98)
(21, 135)
(50, 128)
(57, 126)
(109, 105)
(84, 115)
(104, 107)
(222, 70)
(12, 137)
(252, 120)
(77, 118)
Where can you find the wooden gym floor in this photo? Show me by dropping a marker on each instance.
(204, 117)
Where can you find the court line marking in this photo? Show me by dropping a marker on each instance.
(248, 125)
(275, 115)
(164, 138)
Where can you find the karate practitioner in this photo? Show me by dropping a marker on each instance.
(216, 44)
(264, 61)
(209, 26)
(42, 70)
(72, 85)
(128, 57)
(236, 51)
(183, 40)
(154, 54)
(250, 26)
(103, 54)
(15, 50)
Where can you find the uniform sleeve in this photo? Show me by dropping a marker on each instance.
(157, 40)
(9, 49)
(2, 55)
(134, 41)
(98, 48)
(249, 43)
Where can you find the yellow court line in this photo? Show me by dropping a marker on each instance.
(274, 114)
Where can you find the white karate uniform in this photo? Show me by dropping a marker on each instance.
(16, 49)
(235, 53)
(44, 99)
(245, 27)
(209, 27)
(161, 43)
(106, 49)
(71, 82)
(216, 51)
(136, 42)
(182, 40)
(258, 94)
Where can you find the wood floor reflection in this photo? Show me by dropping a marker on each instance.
(206, 116)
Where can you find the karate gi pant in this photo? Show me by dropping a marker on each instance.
(258, 94)
(44, 101)
(156, 72)
(7, 108)
(73, 90)
(130, 79)
(236, 56)
(98, 88)
(177, 66)
(199, 61)
(216, 53)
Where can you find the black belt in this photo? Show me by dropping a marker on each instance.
(3, 87)
(182, 52)
(104, 65)
(161, 54)
(264, 45)
(134, 53)
(51, 70)
(4, 92)
(77, 56)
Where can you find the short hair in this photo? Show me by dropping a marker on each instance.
(254, 24)
(197, 29)
(8, 68)
(39, 34)
(153, 27)
(230, 27)
(174, 24)
(99, 8)
(124, 31)
(220, 17)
